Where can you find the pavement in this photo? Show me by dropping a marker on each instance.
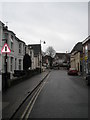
(14, 96)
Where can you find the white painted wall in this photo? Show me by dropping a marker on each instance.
(14, 54)
(0, 56)
(18, 55)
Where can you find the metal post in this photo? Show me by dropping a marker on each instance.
(41, 55)
(6, 78)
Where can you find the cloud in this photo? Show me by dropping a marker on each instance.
(61, 25)
(1, 10)
(44, 1)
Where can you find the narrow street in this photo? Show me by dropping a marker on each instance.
(59, 96)
(44, 60)
(62, 96)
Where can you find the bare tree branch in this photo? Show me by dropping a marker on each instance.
(50, 51)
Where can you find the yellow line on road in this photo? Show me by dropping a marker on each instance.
(22, 116)
(33, 103)
(26, 113)
(35, 99)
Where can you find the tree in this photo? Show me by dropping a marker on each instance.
(51, 53)
(26, 62)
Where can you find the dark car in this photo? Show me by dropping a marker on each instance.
(72, 71)
(88, 79)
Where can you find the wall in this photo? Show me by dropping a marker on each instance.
(75, 61)
(0, 46)
(0, 56)
(72, 61)
(14, 56)
(86, 58)
(18, 55)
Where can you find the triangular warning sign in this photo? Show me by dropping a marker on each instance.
(5, 49)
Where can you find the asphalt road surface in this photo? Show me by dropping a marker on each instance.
(62, 96)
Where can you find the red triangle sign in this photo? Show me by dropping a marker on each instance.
(5, 49)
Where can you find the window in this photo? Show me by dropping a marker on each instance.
(19, 64)
(11, 45)
(11, 66)
(19, 47)
(12, 37)
(15, 63)
(5, 38)
(89, 46)
(6, 35)
(23, 49)
(83, 50)
(86, 50)
(39, 62)
(11, 42)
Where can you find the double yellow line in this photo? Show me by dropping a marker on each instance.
(25, 115)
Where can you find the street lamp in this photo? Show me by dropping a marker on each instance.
(42, 41)
(41, 55)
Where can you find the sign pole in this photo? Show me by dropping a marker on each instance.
(6, 84)
(5, 50)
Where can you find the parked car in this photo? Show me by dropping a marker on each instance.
(88, 79)
(72, 71)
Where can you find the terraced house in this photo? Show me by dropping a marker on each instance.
(15, 58)
(13, 63)
(1, 30)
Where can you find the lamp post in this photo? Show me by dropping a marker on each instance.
(41, 55)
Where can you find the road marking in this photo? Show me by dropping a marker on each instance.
(36, 99)
(33, 103)
(27, 111)
(22, 116)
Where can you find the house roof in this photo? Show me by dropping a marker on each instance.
(2, 23)
(5, 28)
(36, 48)
(86, 40)
(19, 40)
(60, 55)
(46, 57)
(78, 47)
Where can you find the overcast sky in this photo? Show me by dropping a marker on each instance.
(60, 24)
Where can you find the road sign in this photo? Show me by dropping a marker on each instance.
(5, 49)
